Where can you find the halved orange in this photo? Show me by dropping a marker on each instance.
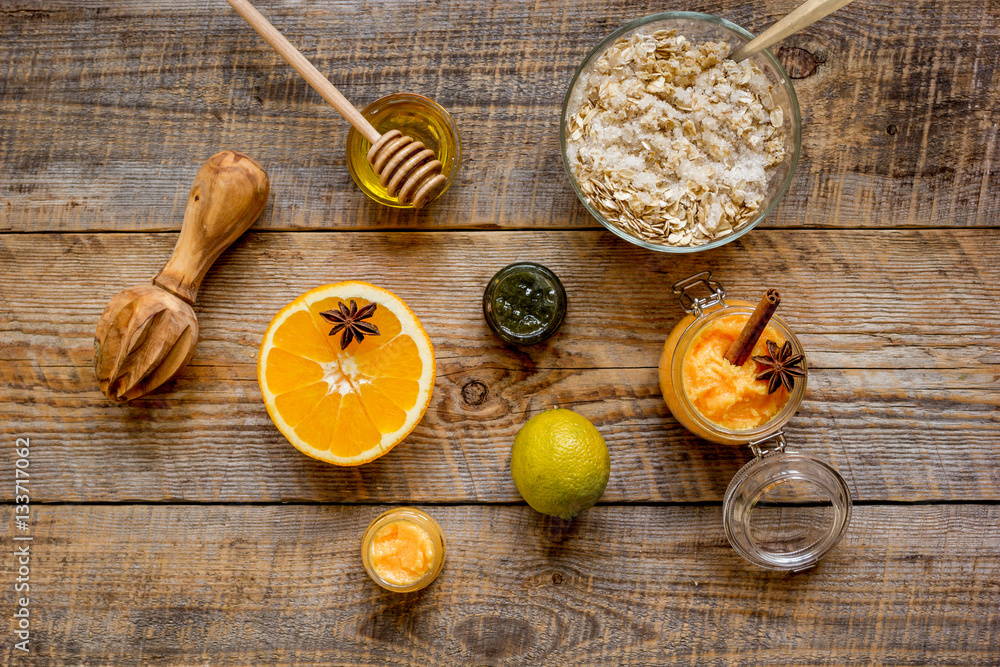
(346, 405)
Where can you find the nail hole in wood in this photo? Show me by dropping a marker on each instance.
(892, 129)
(557, 578)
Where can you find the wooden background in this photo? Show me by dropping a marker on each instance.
(183, 529)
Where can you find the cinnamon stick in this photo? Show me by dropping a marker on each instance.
(742, 347)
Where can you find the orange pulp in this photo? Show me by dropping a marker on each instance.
(724, 394)
(402, 552)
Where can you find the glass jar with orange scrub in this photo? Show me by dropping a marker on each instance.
(403, 549)
(707, 394)
(782, 510)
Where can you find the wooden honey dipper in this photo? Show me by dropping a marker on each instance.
(148, 333)
(409, 170)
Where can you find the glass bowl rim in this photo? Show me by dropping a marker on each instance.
(786, 83)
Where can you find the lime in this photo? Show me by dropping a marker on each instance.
(560, 463)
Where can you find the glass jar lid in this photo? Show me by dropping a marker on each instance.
(785, 510)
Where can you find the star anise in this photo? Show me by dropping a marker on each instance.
(349, 320)
(781, 368)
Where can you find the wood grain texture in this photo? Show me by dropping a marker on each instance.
(619, 586)
(795, 21)
(904, 404)
(107, 110)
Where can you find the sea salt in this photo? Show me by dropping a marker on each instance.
(672, 141)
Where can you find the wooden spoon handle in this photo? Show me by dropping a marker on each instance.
(804, 15)
(229, 192)
(305, 68)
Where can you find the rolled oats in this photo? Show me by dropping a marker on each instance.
(673, 142)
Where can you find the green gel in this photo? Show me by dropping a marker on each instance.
(524, 303)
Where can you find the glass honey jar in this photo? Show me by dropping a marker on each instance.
(782, 510)
(416, 116)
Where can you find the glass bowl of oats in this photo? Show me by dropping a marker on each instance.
(671, 145)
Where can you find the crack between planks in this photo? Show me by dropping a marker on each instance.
(464, 503)
(950, 369)
(479, 230)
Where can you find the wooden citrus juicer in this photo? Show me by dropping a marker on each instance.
(409, 170)
(148, 333)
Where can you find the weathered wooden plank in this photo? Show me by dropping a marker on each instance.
(106, 111)
(905, 405)
(912, 299)
(890, 439)
(232, 585)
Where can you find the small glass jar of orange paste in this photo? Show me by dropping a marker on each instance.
(709, 396)
(403, 549)
(782, 510)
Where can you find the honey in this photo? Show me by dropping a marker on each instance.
(414, 115)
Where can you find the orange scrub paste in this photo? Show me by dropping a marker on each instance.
(724, 394)
(402, 552)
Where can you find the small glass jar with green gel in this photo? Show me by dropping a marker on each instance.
(524, 303)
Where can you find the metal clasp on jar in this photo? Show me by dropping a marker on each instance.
(696, 305)
(761, 449)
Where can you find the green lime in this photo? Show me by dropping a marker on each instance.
(560, 463)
